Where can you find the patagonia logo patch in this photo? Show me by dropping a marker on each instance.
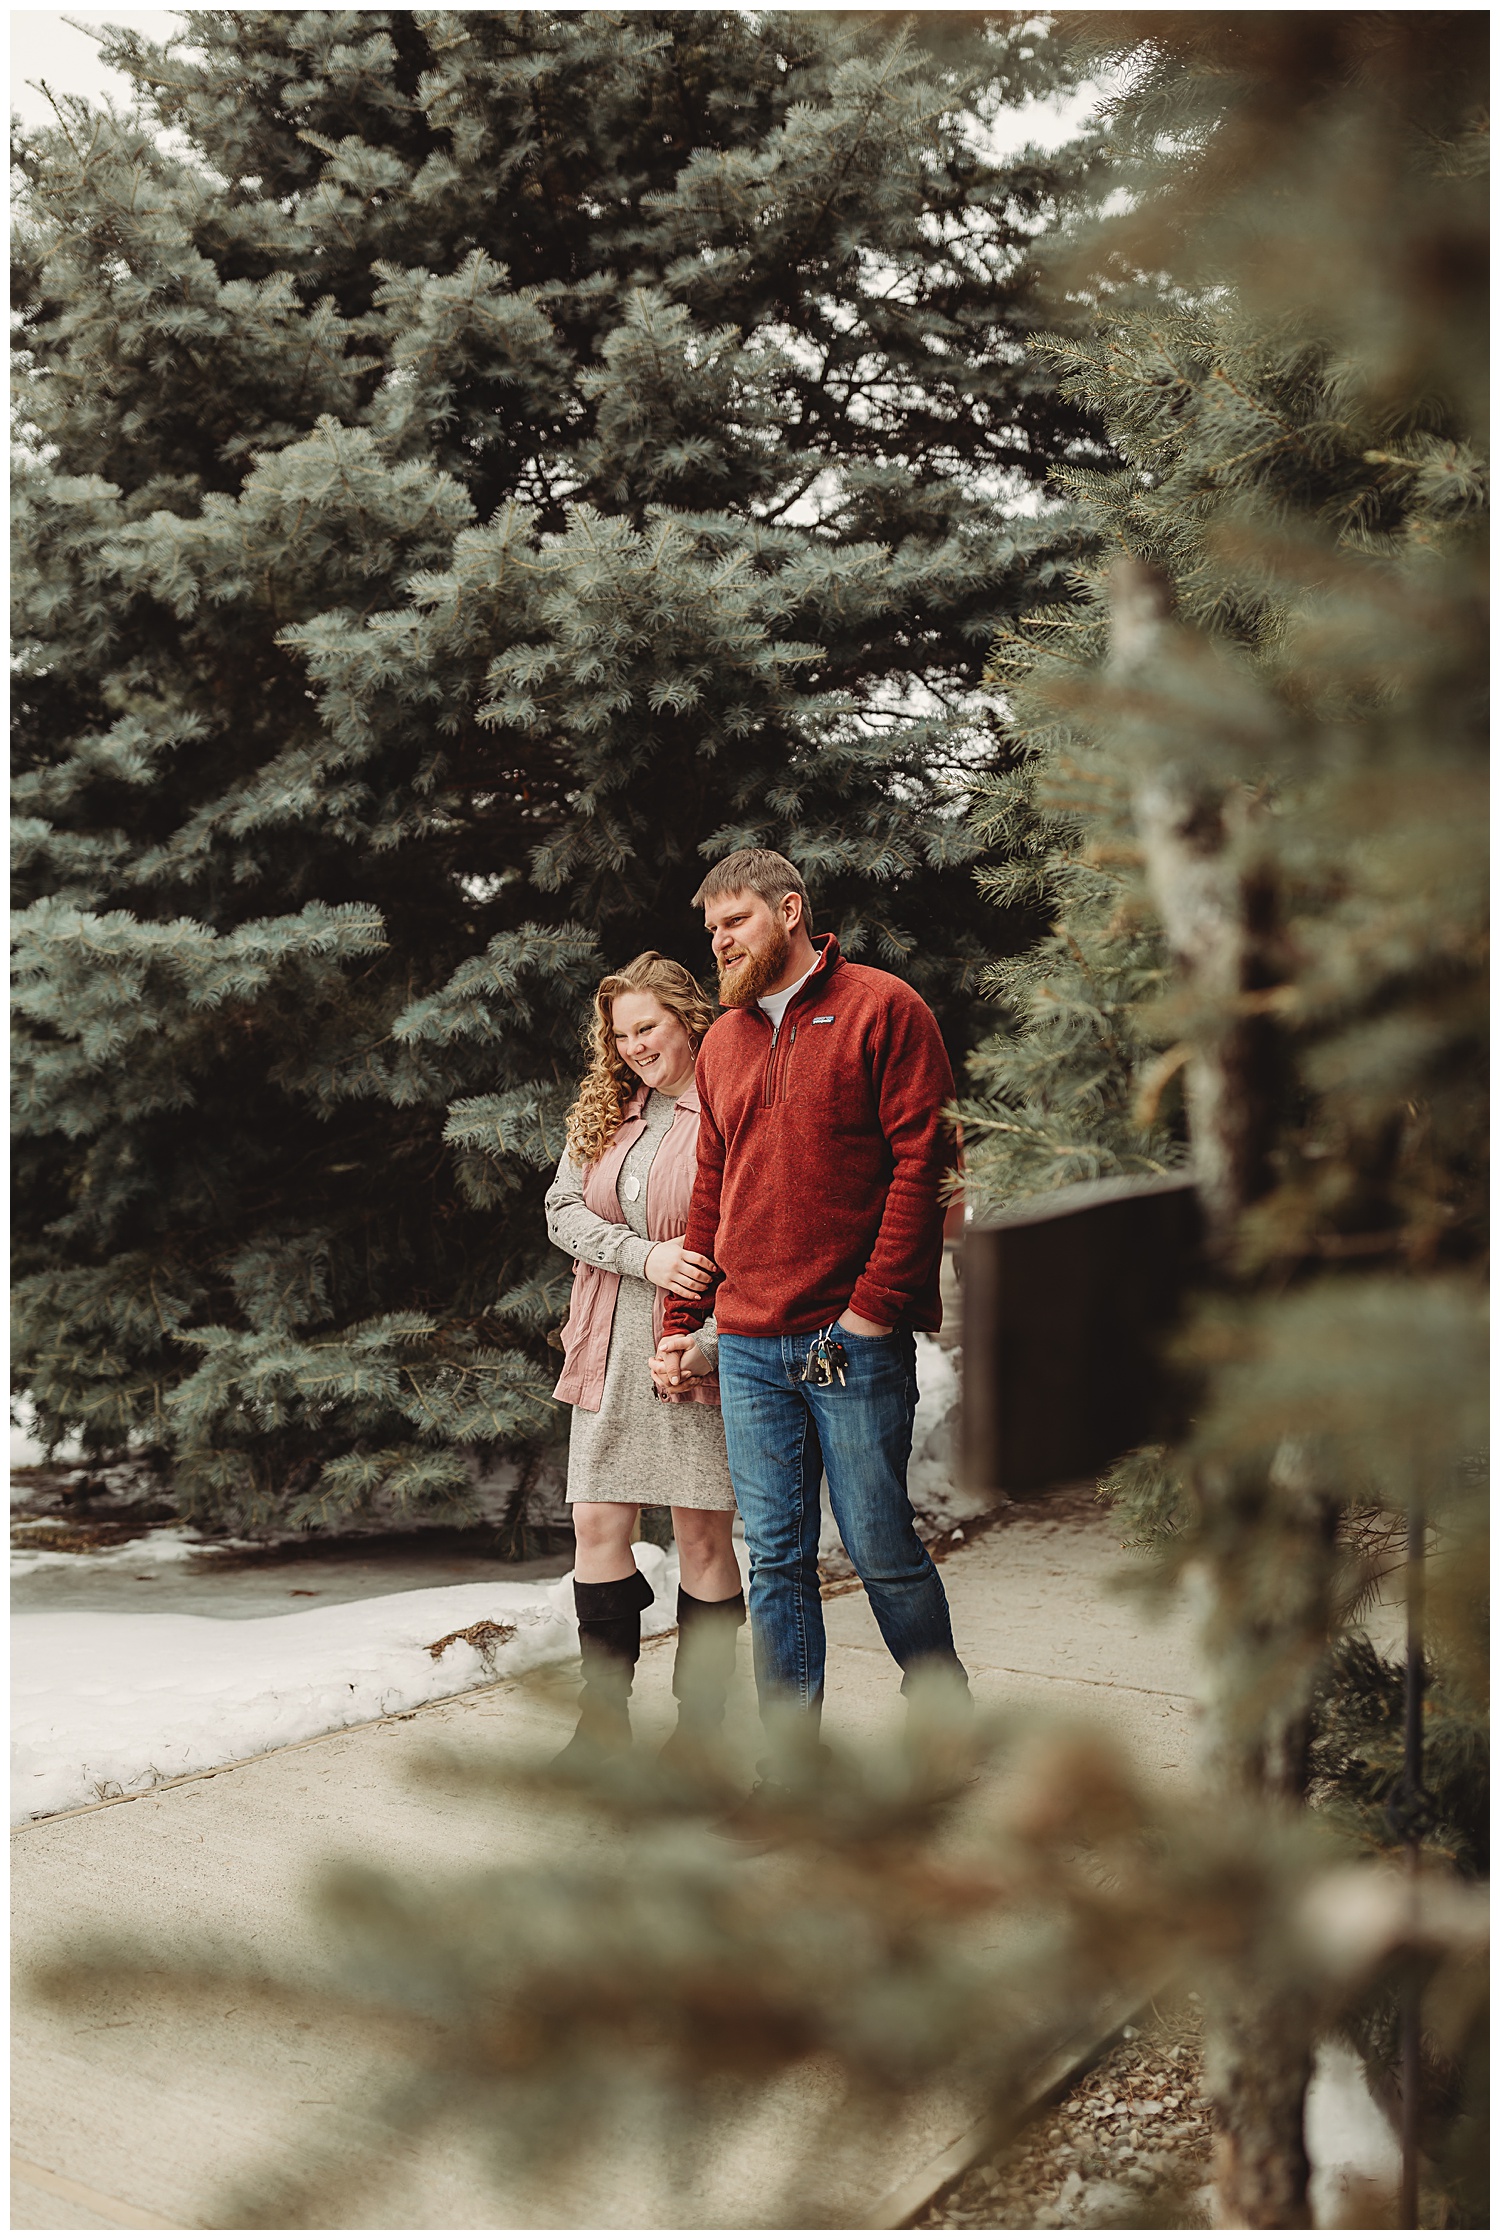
(824, 1019)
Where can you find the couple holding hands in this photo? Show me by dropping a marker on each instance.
(752, 1204)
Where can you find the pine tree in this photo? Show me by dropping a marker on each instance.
(475, 468)
(1254, 797)
(1289, 368)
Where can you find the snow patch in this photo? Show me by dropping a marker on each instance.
(102, 1706)
(1355, 2155)
(932, 1476)
(166, 1544)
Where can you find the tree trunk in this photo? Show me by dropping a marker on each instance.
(1266, 1622)
(1216, 913)
(1259, 2065)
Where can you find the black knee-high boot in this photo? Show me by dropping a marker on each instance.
(609, 1642)
(705, 1663)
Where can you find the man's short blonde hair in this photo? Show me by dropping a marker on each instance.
(756, 871)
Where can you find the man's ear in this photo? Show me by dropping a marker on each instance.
(796, 915)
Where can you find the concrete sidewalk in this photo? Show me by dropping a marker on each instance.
(129, 2114)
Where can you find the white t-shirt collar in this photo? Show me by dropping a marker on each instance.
(774, 1006)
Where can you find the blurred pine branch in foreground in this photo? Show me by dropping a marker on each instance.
(636, 2023)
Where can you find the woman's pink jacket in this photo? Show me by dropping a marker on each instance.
(591, 1310)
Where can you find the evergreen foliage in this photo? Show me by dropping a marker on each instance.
(1356, 1759)
(475, 468)
(1305, 466)
(1287, 353)
(1302, 461)
(618, 2015)
(1285, 349)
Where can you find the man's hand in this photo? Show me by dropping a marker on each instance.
(678, 1359)
(687, 1274)
(857, 1326)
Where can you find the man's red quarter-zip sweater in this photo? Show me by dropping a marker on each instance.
(822, 1149)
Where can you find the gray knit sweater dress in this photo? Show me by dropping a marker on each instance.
(636, 1448)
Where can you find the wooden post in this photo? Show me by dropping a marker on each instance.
(1067, 1301)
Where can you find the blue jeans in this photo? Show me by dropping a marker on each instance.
(782, 1436)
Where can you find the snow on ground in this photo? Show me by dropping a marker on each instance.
(933, 1473)
(1350, 2143)
(105, 1705)
(173, 1543)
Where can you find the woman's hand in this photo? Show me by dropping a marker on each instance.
(687, 1274)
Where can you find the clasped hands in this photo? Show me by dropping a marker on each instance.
(679, 1358)
(673, 1268)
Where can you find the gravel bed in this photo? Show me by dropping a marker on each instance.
(1127, 2146)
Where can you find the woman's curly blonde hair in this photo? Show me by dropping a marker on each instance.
(609, 1084)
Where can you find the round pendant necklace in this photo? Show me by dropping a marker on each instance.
(630, 1188)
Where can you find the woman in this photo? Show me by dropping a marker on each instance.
(619, 1206)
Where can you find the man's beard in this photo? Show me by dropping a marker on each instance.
(744, 984)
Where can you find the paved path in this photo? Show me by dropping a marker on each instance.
(129, 2115)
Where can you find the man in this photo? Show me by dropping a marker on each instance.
(821, 1151)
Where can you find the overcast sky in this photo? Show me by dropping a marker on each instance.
(44, 45)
